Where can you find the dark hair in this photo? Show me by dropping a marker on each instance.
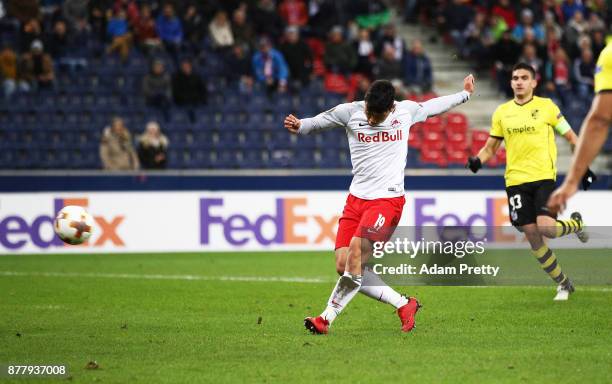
(380, 96)
(526, 67)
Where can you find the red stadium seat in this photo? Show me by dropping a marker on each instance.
(501, 156)
(433, 124)
(412, 97)
(336, 83)
(479, 138)
(424, 97)
(455, 119)
(457, 157)
(418, 127)
(318, 68)
(414, 139)
(436, 157)
(317, 47)
(433, 141)
(458, 145)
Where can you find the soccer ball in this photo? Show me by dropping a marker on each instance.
(73, 224)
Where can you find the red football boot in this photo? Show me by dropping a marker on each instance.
(407, 312)
(317, 325)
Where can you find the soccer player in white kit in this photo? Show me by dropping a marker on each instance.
(377, 131)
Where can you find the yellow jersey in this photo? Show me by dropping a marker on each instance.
(528, 132)
(603, 70)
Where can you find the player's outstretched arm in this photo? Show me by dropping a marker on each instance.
(592, 137)
(333, 118)
(487, 152)
(443, 104)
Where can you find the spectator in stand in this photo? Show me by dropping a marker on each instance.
(37, 67)
(323, 16)
(270, 67)
(530, 57)
(298, 56)
(478, 40)
(75, 11)
(240, 69)
(242, 30)
(370, 14)
(157, 88)
(119, 35)
(584, 73)
(146, 34)
(599, 42)
(99, 11)
(557, 74)
(595, 23)
(30, 31)
(188, 87)
(497, 26)
(388, 67)
(505, 52)
(57, 42)
(194, 28)
(170, 30)
(8, 72)
(574, 28)
(528, 24)
(131, 10)
(294, 12)
(417, 69)
(366, 58)
(530, 38)
(153, 147)
(339, 56)
(570, 7)
(455, 19)
(553, 41)
(550, 8)
(506, 12)
(362, 88)
(390, 38)
(266, 20)
(552, 26)
(221, 31)
(116, 148)
(530, 5)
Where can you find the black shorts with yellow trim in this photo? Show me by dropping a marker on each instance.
(528, 201)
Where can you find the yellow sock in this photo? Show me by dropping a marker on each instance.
(565, 227)
(549, 264)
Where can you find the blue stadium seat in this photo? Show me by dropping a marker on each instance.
(251, 159)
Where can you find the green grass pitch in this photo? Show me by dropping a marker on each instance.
(143, 320)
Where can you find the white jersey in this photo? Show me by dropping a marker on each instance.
(378, 154)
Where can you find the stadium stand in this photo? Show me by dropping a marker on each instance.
(54, 118)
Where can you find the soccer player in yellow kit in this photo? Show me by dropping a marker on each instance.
(527, 124)
(593, 133)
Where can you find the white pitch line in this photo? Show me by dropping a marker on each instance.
(261, 279)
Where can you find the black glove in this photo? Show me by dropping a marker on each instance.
(588, 179)
(474, 163)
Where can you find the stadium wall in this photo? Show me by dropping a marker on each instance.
(200, 221)
(245, 180)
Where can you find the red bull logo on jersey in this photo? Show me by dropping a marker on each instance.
(380, 137)
(279, 226)
(16, 231)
